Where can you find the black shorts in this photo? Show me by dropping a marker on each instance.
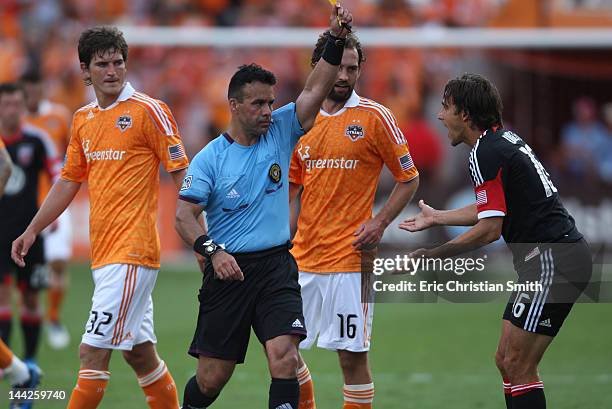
(564, 271)
(34, 276)
(269, 300)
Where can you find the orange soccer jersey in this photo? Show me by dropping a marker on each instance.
(117, 150)
(54, 119)
(338, 162)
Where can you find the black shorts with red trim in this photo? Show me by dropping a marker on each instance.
(34, 276)
(563, 271)
(268, 300)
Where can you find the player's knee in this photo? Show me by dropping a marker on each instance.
(499, 361)
(136, 359)
(283, 361)
(353, 362)
(517, 367)
(211, 383)
(94, 358)
(30, 300)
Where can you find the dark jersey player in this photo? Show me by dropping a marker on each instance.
(516, 199)
(31, 152)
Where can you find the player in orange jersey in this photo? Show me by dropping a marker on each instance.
(117, 144)
(55, 120)
(338, 163)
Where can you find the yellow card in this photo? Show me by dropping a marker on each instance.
(333, 2)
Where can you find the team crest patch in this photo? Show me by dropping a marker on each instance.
(354, 132)
(124, 122)
(187, 182)
(275, 172)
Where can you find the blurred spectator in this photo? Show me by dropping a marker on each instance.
(580, 141)
(42, 34)
(604, 153)
(426, 149)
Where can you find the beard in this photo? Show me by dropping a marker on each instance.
(340, 96)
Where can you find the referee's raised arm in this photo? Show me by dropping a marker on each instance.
(321, 80)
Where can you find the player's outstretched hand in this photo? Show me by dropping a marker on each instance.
(421, 221)
(226, 267)
(21, 246)
(368, 235)
(422, 252)
(340, 21)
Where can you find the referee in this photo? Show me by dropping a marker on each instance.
(515, 198)
(250, 278)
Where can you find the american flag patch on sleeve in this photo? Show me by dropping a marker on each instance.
(406, 161)
(481, 198)
(176, 151)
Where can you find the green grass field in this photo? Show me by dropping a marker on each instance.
(423, 356)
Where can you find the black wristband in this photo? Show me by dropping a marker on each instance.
(205, 246)
(334, 48)
(198, 245)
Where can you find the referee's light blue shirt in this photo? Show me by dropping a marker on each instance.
(246, 210)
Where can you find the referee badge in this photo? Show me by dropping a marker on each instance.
(275, 172)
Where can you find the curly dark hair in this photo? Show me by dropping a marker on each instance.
(98, 40)
(476, 96)
(245, 75)
(352, 41)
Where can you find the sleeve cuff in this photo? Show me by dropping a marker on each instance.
(189, 199)
(409, 178)
(490, 213)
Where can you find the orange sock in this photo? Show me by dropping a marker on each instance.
(55, 296)
(307, 399)
(358, 396)
(6, 355)
(159, 388)
(89, 389)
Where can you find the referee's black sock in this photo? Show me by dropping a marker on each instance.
(193, 398)
(284, 394)
(528, 396)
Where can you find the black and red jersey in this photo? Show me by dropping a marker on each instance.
(510, 181)
(32, 152)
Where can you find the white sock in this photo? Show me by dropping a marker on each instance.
(17, 371)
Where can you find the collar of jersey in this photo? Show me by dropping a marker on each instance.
(44, 107)
(352, 102)
(126, 93)
(11, 139)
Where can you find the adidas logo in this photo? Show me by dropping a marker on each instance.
(285, 406)
(233, 194)
(297, 324)
(545, 323)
